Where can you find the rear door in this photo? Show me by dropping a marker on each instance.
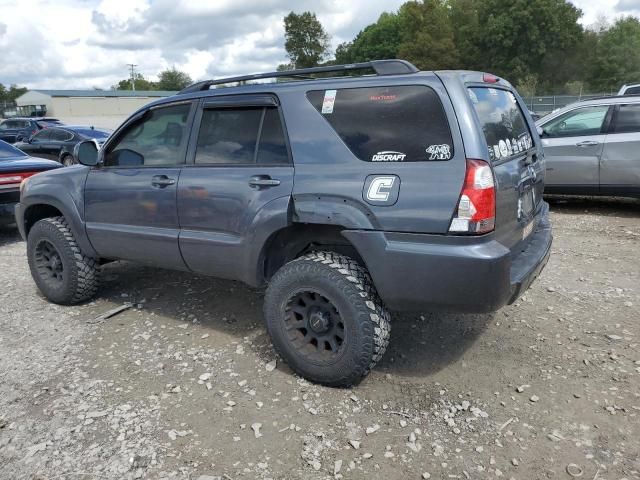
(239, 168)
(35, 143)
(130, 200)
(573, 144)
(620, 161)
(518, 171)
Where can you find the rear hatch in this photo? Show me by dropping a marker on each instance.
(516, 160)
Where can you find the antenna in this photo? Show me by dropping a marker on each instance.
(132, 66)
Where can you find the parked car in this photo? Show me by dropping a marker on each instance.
(592, 147)
(15, 166)
(19, 128)
(631, 89)
(411, 190)
(57, 143)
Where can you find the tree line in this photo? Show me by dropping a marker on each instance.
(539, 46)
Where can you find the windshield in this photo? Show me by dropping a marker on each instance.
(7, 151)
(97, 134)
(502, 121)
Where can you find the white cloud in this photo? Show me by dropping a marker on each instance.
(82, 44)
(87, 43)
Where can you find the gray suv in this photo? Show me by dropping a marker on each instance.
(347, 195)
(592, 147)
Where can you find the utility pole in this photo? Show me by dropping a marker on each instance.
(132, 66)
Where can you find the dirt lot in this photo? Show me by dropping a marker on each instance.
(182, 385)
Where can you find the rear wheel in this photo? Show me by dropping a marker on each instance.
(61, 271)
(326, 319)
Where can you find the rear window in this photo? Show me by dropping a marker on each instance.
(8, 151)
(388, 124)
(502, 122)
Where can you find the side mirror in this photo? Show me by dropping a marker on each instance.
(540, 130)
(87, 153)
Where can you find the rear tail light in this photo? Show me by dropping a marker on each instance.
(8, 180)
(476, 211)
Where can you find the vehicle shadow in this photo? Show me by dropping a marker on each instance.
(421, 344)
(9, 234)
(614, 206)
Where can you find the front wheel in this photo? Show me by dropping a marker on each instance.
(326, 319)
(61, 271)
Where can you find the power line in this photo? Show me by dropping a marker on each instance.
(132, 66)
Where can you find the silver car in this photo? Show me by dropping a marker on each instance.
(593, 147)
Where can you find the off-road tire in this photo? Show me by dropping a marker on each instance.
(350, 289)
(80, 272)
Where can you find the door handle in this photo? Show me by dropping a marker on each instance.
(263, 181)
(162, 181)
(587, 143)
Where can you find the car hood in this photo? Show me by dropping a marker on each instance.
(26, 164)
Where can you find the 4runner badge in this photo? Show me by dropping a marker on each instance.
(381, 190)
(388, 156)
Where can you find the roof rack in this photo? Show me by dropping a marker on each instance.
(381, 67)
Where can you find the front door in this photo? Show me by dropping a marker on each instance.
(573, 144)
(130, 199)
(239, 171)
(620, 164)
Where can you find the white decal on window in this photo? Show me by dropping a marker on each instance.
(388, 156)
(504, 151)
(439, 152)
(329, 101)
(380, 189)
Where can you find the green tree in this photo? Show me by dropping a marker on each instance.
(141, 84)
(173, 79)
(306, 41)
(426, 34)
(616, 57)
(14, 92)
(516, 36)
(464, 23)
(377, 41)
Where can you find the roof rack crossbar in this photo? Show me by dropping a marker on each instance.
(380, 67)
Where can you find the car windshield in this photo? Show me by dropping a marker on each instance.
(91, 133)
(8, 151)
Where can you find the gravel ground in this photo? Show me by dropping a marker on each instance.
(185, 383)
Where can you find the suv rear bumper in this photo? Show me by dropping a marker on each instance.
(454, 273)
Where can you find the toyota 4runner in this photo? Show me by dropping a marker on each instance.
(348, 191)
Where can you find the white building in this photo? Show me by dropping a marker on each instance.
(100, 108)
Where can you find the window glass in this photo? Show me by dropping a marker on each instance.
(632, 91)
(60, 135)
(93, 133)
(388, 124)
(272, 148)
(158, 139)
(228, 135)
(627, 119)
(5, 125)
(41, 136)
(503, 124)
(579, 122)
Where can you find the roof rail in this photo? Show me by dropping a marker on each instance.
(381, 67)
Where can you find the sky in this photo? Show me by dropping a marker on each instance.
(68, 44)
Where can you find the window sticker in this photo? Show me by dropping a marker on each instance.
(388, 156)
(439, 152)
(329, 101)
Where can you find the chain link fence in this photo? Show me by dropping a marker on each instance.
(543, 105)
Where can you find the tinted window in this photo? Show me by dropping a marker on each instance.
(60, 135)
(405, 123)
(41, 136)
(6, 125)
(627, 119)
(578, 122)
(503, 124)
(7, 151)
(228, 135)
(159, 138)
(272, 147)
(632, 91)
